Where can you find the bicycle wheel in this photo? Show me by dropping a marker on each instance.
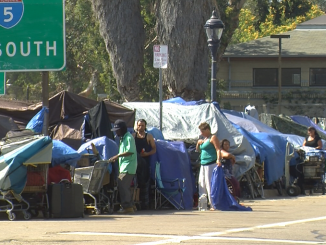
(249, 185)
(230, 186)
(278, 185)
(257, 183)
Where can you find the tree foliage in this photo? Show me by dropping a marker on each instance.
(126, 72)
(287, 21)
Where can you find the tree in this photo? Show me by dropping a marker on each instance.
(181, 27)
(86, 54)
(247, 32)
(122, 29)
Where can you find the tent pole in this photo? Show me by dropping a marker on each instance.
(45, 101)
(161, 95)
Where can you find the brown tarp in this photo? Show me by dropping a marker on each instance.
(20, 112)
(69, 131)
(62, 106)
(6, 125)
(66, 116)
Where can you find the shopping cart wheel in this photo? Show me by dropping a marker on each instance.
(27, 215)
(11, 216)
(110, 211)
(97, 211)
(292, 191)
(34, 212)
(46, 214)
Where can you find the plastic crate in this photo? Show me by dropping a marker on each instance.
(37, 178)
(315, 156)
(310, 171)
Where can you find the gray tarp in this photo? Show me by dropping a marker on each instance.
(181, 123)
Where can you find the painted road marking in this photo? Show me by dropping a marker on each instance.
(178, 239)
(210, 236)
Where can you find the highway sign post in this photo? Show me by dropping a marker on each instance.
(32, 35)
(2, 83)
(160, 60)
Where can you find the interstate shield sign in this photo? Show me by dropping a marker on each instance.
(11, 12)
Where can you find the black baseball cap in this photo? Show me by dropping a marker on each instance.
(119, 124)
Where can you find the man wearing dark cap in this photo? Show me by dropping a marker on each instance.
(127, 166)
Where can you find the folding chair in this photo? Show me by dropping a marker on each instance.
(171, 189)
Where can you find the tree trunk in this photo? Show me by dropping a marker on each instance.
(122, 29)
(180, 25)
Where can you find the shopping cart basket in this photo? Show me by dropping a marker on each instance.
(35, 191)
(91, 178)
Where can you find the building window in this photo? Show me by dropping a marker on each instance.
(317, 77)
(265, 77)
(291, 77)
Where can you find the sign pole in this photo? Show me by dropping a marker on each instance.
(45, 101)
(160, 61)
(161, 97)
(2, 83)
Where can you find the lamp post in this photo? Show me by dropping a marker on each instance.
(214, 29)
(279, 69)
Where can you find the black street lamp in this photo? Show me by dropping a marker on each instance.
(214, 29)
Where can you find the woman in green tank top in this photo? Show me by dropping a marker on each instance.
(210, 155)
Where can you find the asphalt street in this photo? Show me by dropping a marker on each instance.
(283, 220)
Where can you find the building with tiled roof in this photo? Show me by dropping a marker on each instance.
(251, 69)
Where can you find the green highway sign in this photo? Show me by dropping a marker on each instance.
(2, 83)
(32, 35)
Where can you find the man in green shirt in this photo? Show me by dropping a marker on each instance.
(127, 166)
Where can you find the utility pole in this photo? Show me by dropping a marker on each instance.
(279, 111)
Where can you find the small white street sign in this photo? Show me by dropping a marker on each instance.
(161, 56)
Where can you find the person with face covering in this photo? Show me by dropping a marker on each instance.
(127, 166)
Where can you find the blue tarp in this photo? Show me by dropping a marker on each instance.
(234, 113)
(157, 134)
(36, 123)
(180, 101)
(175, 163)
(274, 167)
(63, 154)
(12, 171)
(106, 147)
(270, 148)
(305, 121)
(258, 146)
(248, 122)
(220, 194)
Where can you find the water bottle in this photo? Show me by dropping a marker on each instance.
(202, 202)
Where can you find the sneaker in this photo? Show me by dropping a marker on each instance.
(126, 211)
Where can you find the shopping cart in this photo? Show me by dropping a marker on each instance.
(35, 191)
(309, 173)
(11, 202)
(97, 199)
(313, 174)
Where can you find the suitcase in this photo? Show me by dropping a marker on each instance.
(66, 200)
